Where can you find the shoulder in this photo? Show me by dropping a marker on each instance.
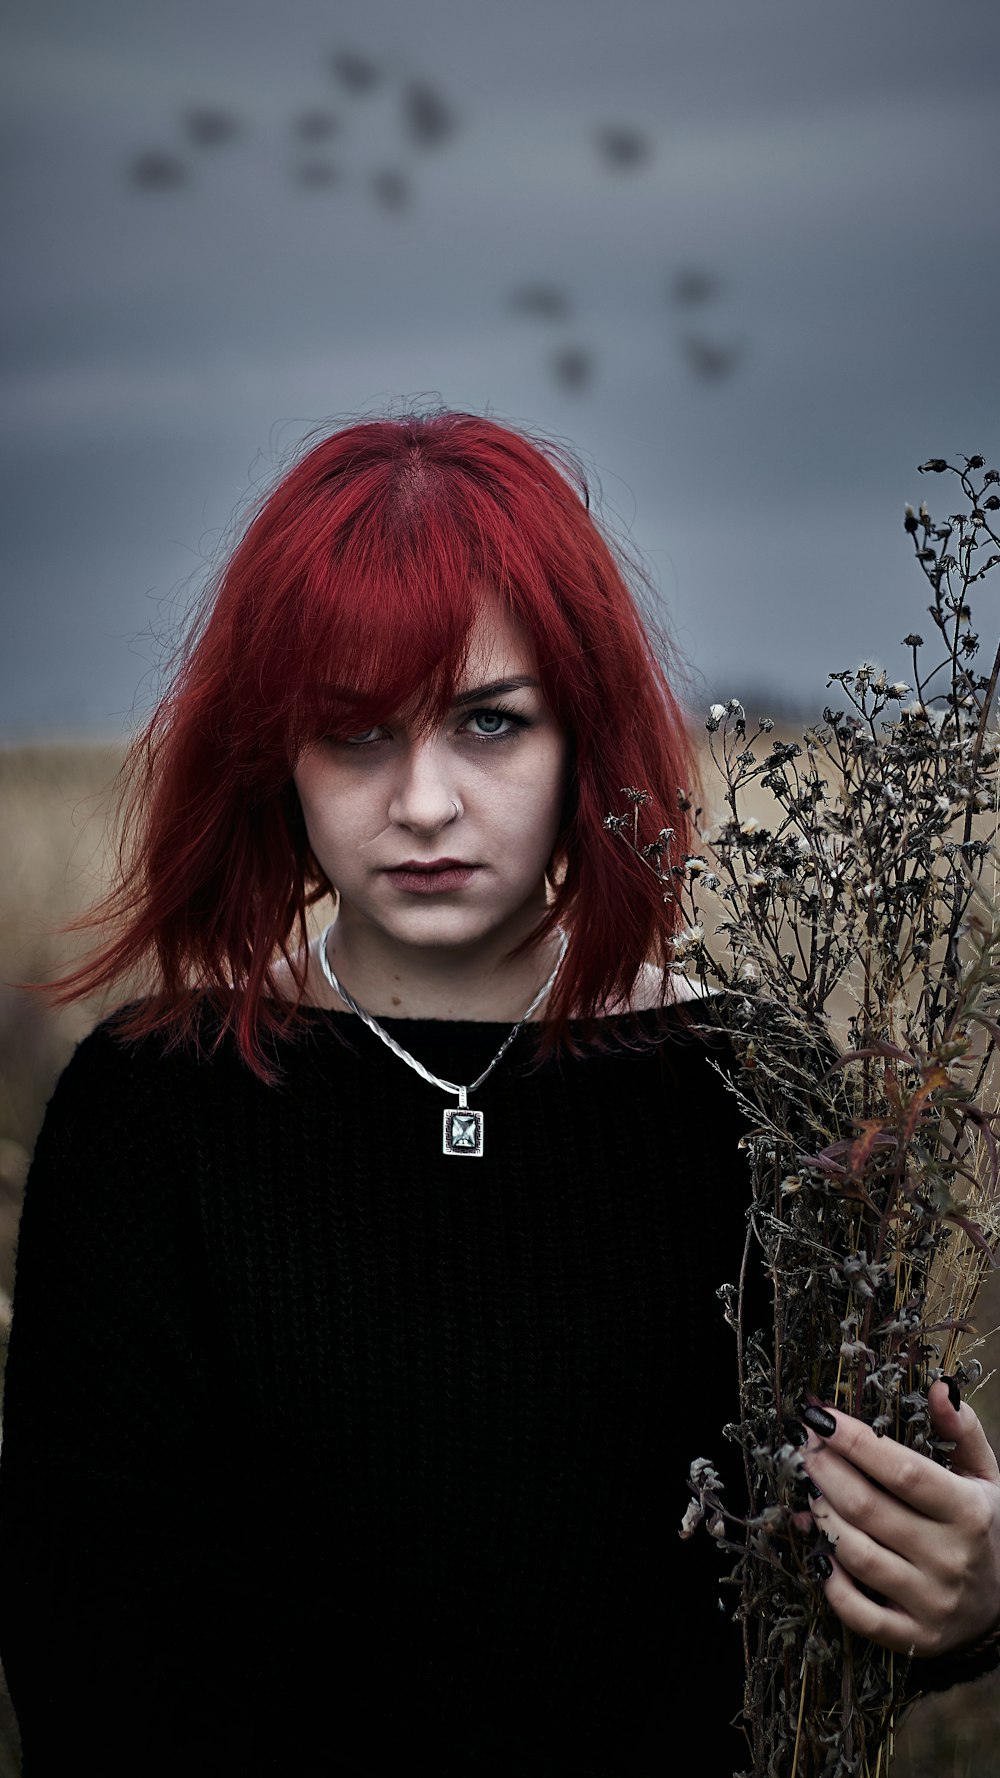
(126, 1042)
(96, 1095)
(301, 978)
(128, 1113)
(118, 1069)
(655, 987)
(101, 1059)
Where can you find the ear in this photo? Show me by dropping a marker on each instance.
(558, 864)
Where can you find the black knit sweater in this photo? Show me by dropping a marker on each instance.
(326, 1453)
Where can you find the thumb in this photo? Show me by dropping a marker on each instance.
(973, 1455)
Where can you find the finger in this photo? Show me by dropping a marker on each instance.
(909, 1475)
(973, 1456)
(899, 1582)
(869, 1508)
(877, 1623)
(849, 1498)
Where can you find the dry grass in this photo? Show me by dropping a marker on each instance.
(53, 809)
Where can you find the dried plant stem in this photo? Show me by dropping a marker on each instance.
(854, 950)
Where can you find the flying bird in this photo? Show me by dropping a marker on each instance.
(572, 367)
(623, 147)
(155, 170)
(692, 287)
(315, 126)
(356, 73)
(209, 128)
(316, 175)
(709, 360)
(543, 301)
(428, 118)
(391, 188)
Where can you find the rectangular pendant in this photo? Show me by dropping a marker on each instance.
(463, 1131)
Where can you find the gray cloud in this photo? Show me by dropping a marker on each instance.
(166, 347)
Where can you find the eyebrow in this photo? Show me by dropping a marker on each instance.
(494, 689)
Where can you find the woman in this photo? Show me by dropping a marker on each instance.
(326, 1449)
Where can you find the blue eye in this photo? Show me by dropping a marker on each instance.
(496, 722)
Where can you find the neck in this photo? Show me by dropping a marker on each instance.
(476, 981)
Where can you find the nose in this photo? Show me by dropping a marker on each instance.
(425, 797)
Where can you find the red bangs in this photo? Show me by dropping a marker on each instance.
(374, 637)
(373, 588)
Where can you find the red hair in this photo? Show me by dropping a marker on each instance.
(360, 573)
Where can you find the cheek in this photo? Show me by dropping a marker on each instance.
(316, 834)
(531, 804)
(310, 801)
(343, 820)
(325, 816)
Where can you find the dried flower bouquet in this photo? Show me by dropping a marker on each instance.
(854, 950)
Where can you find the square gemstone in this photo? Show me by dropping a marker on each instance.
(463, 1132)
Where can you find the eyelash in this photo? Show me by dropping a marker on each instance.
(513, 716)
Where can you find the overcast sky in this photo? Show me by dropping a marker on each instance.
(830, 169)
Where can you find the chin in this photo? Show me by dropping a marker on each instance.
(442, 926)
(442, 920)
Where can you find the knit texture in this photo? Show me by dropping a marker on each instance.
(326, 1453)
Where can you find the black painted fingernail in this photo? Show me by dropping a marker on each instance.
(821, 1565)
(795, 1432)
(819, 1420)
(954, 1392)
(811, 1488)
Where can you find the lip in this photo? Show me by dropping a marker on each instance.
(428, 864)
(434, 877)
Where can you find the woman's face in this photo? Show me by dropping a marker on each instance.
(443, 837)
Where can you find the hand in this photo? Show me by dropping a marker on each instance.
(925, 1539)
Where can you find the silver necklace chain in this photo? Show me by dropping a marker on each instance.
(463, 1127)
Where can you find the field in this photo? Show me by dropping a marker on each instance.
(53, 802)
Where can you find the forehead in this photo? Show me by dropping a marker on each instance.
(499, 644)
